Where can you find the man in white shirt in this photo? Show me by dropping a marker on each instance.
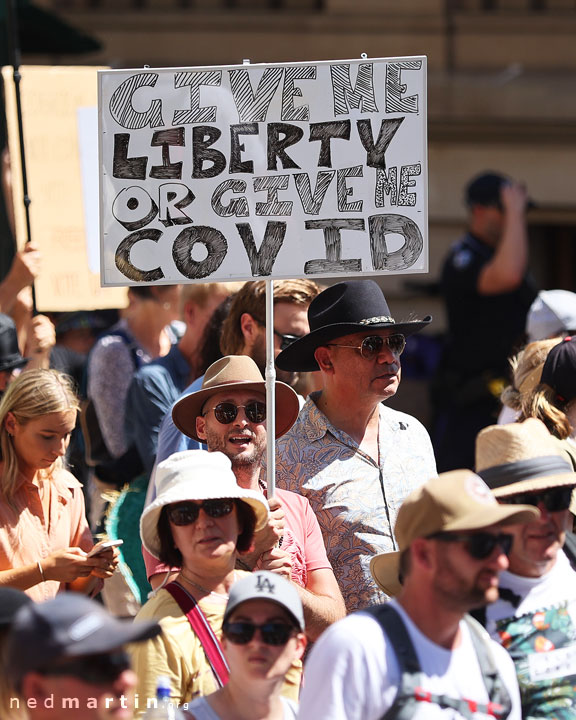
(417, 655)
(535, 615)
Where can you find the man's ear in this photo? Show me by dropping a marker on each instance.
(250, 329)
(33, 685)
(201, 427)
(421, 552)
(323, 358)
(301, 645)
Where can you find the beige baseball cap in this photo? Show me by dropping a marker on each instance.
(453, 501)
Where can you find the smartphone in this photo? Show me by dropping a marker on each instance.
(104, 545)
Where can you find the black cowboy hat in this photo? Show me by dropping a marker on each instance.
(10, 357)
(342, 309)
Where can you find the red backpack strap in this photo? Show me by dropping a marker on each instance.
(203, 630)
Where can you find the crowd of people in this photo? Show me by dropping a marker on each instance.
(388, 573)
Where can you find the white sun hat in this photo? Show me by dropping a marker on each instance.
(195, 475)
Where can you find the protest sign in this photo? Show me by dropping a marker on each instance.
(62, 183)
(263, 171)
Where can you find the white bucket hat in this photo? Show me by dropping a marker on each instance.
(195, 475)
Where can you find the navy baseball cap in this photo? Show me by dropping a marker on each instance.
(485, 189)
(11, 600)
(68, 626)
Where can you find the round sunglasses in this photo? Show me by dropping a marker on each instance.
(554, 500)
(227, 412)
(373, 345)
(272, 633)
(479, 545)
(187, 513)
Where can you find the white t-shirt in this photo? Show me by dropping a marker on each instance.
(352, 673)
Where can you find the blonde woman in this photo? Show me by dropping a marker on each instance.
(44, 535)
(526, 368)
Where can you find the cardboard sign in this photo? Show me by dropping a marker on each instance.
(62, 183)
(263, 171)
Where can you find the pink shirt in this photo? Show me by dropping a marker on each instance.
(302, 540)
(25, 539)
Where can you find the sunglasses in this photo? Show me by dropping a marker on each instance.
(272, 633)
(373, 345)
(553, 500)
(227, 412)
(187, 513)
(286, 340)
(93, 669)
(478, 545)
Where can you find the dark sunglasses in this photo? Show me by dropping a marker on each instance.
(227, 412)
(553, 500)
(187, 513)
(286, 340)
(373, 345)
(479, 545)
(272, 633)
(93, 669)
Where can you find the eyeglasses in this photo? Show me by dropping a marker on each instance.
(227, 412)
(272, 633)
(479, 545)
(286, 340)
(553, 500)
(373, 345)
(187, 513)
(93, 669)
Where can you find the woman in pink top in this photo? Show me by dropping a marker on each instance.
(44, 535)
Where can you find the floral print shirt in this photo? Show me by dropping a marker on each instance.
(355, 499)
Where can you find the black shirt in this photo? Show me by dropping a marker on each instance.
(483, 330)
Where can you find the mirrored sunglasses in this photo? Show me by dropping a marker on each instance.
(187, 513)
(93, 669)
(272, 633)
(479, 545)
(227, 412)
(554, 500)
(373, 345)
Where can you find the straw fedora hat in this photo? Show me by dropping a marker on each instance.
(521, 457)
(342, 309)
(234, 372)
(453, 501)
(195, 475)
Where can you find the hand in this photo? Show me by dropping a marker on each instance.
(109, 562)
(41, 336)
(68, 564)
(276, 561)
(268, 537)
(514, 197)
(25, 267)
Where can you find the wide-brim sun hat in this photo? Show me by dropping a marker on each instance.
(342, 309)
(195, 475)
(235, 372)
(454, 501)
(521, 457)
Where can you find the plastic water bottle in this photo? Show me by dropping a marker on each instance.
(165, 709)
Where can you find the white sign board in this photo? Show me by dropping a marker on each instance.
(254, 171)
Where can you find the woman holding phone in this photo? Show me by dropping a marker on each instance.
(44, 535)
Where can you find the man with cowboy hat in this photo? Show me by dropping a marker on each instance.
(419, 656)
(352, 457)
(229, 414)
(535, 615)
